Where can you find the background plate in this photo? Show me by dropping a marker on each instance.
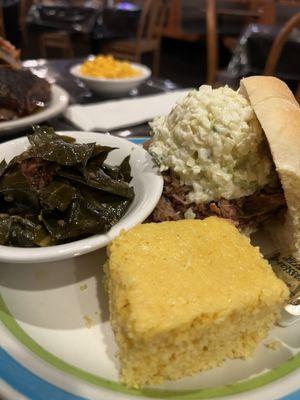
(58, 104)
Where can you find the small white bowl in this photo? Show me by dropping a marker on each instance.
(113, 87)
(147, 183)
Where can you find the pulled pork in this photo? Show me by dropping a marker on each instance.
(246, 212)
(38, 172)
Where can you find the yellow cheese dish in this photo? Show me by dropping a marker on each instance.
(186, 295)
(108, 67)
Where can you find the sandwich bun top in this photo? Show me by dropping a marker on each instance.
(279, 115)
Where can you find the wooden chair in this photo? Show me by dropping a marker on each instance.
(148, 35)
(24, 6)
(2, 30)
(260, 11)
(253, 11)
(289, 3)
(173, 28)
(211, 41)
(59, 41)
(277, 47)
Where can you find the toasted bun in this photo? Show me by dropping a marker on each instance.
(279, 114)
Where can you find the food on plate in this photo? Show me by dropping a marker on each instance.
(58, 191)
(213, 141)
(186, 295)
(232, 154)
(21, 93)
(106, 66)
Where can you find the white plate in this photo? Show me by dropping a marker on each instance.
(57, 329)
(57, 343)
(58, 103)
(146, 181)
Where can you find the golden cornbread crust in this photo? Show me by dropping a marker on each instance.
(186, 295)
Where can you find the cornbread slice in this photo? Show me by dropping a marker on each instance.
(186, 295)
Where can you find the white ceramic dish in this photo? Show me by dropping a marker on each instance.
(147, 183)
(58, 103)
(57, 343)
(113, 87)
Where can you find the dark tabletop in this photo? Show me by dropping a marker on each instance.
(253, 48)
(57, 71)
(86, 17)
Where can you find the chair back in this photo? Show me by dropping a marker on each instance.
(2, 30)
(258, 11)
(278, 44)
(24, 6)
(262, 11)
(277, 47)
(59, 42)
(289, 3)
(152, 19)
(211, 41)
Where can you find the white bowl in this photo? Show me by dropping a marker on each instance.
(113, 87)
(147, 183)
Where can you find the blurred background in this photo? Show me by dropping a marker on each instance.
(188, 41)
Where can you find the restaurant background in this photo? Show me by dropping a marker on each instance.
(198, 41)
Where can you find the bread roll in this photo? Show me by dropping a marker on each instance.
(279, 114)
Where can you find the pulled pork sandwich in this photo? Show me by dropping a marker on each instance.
(235, 155)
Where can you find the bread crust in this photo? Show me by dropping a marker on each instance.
(261, 88)
(279, 115)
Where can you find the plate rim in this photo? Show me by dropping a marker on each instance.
(48, 112)
(238, 387)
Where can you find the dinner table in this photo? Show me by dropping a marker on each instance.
(90, 16)
(96, 21)
(69, 16)
(58, 71)
(252, 50)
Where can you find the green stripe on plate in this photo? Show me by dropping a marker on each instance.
(242, 386)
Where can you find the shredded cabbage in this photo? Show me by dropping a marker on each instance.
(213, 141)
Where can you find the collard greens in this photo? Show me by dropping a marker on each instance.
(59, 191)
